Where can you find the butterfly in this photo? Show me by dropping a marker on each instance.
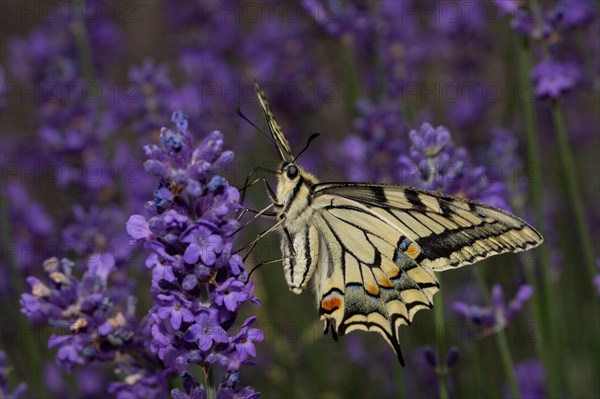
(373, 249)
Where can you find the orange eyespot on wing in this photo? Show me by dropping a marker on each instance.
(331, 302)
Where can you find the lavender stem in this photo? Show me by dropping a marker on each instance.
(503, 347)
(211, 389)
(574, 194)
(543, 315)
(439, 321)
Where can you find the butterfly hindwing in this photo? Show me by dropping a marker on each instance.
(374, 285)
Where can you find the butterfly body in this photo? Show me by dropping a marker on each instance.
(373, 249)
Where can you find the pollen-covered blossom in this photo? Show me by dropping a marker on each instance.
(198, 285)
(435, 163)
(500, 313)
(92, 324)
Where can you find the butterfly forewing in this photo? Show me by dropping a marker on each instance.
(448, 231)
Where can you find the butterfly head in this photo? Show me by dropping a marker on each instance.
(290, 177)
(290, 171)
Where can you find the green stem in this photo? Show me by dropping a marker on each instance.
(507, 363)
(502, 342)
(211, 388)
(570, 177)
(439, 321)
(84, 49)
(351, 77)
(544, 311)
(33, 350)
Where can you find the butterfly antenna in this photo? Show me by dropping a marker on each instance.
(311, 138)
(239, 112)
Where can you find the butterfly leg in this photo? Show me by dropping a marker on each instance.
(267, 262)
(248, 185)
(253, 243)
(255, 211)
(269, 191)
(258, 214)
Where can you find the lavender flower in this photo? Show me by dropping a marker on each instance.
(93, 327)
(19, 391)
(348, 21)
(402, 47)
(198, 286)
(435, 163)
(499, 314)
(376, 143)
(148, 97)
(572, 14)
(508, 165)
(553, 79)
(280, 55)
(560, 70)
(50, 53)
(93, 330)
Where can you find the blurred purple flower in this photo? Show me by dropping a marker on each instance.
(553, 78)
(146, 100)
(19, 391)
(197, 285)
(428, 370)
(50, 53)
(280, 55)
(348, 21)
(572, 14)
(506, 164)
(435, 163)
(530, 380)
(401, 46)
(140, 383)
(499, 314)
(377, 142)
(30, 213)
(507, 6)
(597, 277)
(97, 230)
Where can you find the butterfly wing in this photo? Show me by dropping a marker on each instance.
(285, 152)
(449, 231)
(380, 246)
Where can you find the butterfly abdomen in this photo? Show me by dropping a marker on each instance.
(301, 250)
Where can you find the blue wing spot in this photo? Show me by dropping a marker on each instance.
(404, 244)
